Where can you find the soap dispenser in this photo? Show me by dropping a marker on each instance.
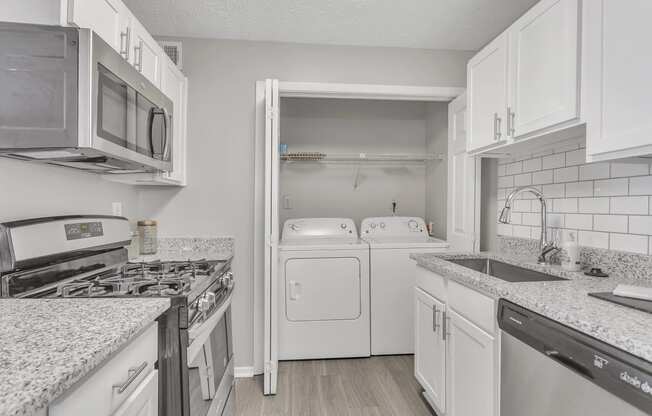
(570, 252)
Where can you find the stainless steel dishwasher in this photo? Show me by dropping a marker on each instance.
(549, 369)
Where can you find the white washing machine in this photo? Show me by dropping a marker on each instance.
(323, 290)
(391, 240)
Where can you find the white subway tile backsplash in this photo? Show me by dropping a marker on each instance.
(531, 165)
(566, 174)
(554, 161)
(629, 242)
(620, 170)
(579, 221)
(576, 157)
(640, 224)
(514, 168)
(594, 171)
(641, 185)
(564, 205)
(610, 223)
(542, 177)
(523, 179)
(593, 239)
(575, 189)
(554, 191)
(594, 205)
(505, 181)
(612, 187)
(609, 203)
(633, 205)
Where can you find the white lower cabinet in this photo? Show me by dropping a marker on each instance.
(125, 385)
(430, 348)
(470, 368)
(456, 347)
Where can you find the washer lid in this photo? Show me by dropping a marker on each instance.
(318, 229)
(323, 244)
(416, 242)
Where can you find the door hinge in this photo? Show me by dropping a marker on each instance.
(272, 112)
(270, 367)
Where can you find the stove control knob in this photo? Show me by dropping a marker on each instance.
(210, 298)
(227, 279)
(204, 306)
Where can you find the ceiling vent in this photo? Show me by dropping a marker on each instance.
(173, 50)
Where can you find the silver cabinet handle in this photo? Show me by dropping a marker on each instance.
(511, 118)
(497, 128)
(133, 374)
(125, 39)
(138, 52)
(435, 325)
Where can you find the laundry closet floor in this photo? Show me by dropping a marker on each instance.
(376, 386)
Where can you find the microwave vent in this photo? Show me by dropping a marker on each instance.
(173, 50)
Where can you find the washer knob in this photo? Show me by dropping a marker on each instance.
(382, 225)
(343, 226)
(412, 224)
(372, 225)
(294, 227)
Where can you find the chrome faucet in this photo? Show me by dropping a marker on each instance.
(545, 246)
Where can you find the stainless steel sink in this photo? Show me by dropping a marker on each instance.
(504, 271)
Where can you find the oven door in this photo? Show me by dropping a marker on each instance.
(132, 117)
(210, 363)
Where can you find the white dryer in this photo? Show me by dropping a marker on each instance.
(391, 240)
(323, 290)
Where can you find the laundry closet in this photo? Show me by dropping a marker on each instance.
(343, 166)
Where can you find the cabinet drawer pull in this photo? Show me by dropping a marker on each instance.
(511, 121)
(125, 41)
(497, 127)
(133, 374)
(443, 326)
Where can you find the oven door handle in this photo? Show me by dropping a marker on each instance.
(198, 334)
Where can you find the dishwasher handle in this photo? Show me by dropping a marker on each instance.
(568, 362)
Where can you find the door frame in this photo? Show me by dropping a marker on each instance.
(308, 90)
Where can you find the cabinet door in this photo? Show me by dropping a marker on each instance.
(146, 53)
(110, 19)
(543, 67)
(487, 95)
(616, 86)
(174, 85)
(471, 370)
(430, 347)
(144, 400)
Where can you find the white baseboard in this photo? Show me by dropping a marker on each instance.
(243, 372)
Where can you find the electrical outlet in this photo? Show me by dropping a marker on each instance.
(116, 209)
(287, 202)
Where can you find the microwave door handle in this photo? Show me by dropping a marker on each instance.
(166, 134)
(150, 121)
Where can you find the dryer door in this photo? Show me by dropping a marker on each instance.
(322, 289)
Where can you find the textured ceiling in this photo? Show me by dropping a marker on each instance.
(431, 24)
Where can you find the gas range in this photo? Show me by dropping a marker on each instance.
(85, 257)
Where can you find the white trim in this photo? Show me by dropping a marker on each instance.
(368, 91)
(314, 90)
(243, 372)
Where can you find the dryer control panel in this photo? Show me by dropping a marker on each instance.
(394, 227)
(319, 228)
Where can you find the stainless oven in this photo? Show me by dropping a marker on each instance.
(70, 99)
(210, 357)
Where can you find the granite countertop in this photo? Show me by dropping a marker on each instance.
(47, 345)
(190, 248)
(563, 301)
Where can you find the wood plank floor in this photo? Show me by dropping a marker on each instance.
(376, 386)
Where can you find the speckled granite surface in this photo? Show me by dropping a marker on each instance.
(614, 262)
(564, 301)
(191, 248)
(47, 345)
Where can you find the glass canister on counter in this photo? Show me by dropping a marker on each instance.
(147, 230)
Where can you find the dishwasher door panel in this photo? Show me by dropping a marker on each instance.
(535, 385)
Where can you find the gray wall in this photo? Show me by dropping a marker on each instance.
(219, 198)
(437, 170)
(352, 126)
(30, 190)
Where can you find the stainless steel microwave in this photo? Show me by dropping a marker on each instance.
(67, 98)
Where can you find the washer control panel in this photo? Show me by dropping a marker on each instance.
(319, 228)
(393, 226)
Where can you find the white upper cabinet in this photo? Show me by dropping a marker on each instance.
(175, 85)
(487, 95)
(110, 19)
(146, 54)
(524, 83)
(616, 88)
(543, 67)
